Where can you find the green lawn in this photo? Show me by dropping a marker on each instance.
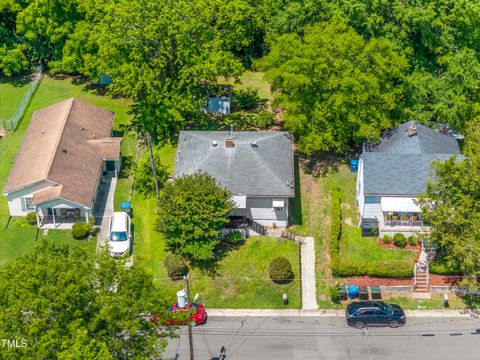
(354, 247)
(11, 93)
(253, 80)
(19, 238)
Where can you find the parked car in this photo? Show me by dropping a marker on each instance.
(376, 313)
(198, 314)
(119, 234)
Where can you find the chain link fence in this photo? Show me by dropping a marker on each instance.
(12, 123)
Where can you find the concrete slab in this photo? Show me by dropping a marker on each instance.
(309, 290)
(421, 295)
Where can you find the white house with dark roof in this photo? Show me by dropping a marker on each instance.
(65, 153)
(393, 172)
(257, 167)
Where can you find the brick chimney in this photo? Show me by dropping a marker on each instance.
(229, 143)
(412, 130)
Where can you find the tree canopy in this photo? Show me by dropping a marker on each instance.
(336, 87)
(451, 205)
(192, 210)
(68, 304)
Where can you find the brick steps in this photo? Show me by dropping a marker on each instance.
(422, 282)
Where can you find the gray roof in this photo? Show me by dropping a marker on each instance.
(262, 170)
(400, 164)
(389, 174)
(427, 141)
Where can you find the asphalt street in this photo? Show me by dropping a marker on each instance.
(330, 338)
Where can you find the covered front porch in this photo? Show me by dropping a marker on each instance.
(61, 216)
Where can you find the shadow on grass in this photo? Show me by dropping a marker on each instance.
(296, 211)
(17, 81)
(322, 163)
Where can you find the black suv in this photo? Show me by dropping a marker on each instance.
(377, 313)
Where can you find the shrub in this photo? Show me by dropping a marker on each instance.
(175, 265)
(281, 270)
(334, 294)
(335, 228)
(245, 99)
(412, 240)
(443, 268)
(233, 237)
(400, 240)
(31, 218)
(391, 269)
(387, 239)
(80, 230)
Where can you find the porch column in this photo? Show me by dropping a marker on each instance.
(53, 213)
(86, 215)
(37, 217)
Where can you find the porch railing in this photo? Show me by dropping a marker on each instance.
(403, 223)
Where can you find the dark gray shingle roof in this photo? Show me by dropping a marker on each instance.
(390, 174)
(427, 141)
(400, 164)
(264, 170)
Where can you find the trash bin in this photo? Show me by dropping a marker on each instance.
(376, 293)
(125, 205)
(342, 293)
(363, 293)
(352, 291)
(445, 301)
(354, 165)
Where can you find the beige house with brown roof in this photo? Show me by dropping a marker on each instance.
(65, 153)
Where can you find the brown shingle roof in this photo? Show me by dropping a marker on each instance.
(66, 144)
(49, 193)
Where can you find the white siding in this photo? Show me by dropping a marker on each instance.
(261, 210)
(360, 194)
(15, 198)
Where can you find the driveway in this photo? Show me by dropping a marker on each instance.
(104, 208)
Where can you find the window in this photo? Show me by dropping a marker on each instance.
(27, 204)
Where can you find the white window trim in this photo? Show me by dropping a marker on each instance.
(24, 203)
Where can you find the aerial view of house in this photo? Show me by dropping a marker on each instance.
(394, 171)
(257, 167)
(65, 153)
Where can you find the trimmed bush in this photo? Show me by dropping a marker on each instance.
(334, 294)
(31, 218)
(175, 265)
(412, 240)
(400, 240)
(80, 230)
(335, 229)
(233, 237)
(387, 239)
(391, 269)
(281, 270)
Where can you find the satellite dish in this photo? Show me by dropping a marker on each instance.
(195, 298)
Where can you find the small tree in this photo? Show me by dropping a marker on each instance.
(192, 211)
(144, 179)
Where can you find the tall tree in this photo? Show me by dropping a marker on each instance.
(336, 87)
(68, 304)
(191, 213)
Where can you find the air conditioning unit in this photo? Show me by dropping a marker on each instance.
(278, 204)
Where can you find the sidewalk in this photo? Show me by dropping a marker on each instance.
(327, 313)
(309, 291)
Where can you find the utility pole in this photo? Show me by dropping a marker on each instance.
(190, 335)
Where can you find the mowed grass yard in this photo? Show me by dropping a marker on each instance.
(11, 93)
(19, 237)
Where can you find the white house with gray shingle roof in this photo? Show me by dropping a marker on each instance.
(64, 155)
(257, 167)
(393, 172)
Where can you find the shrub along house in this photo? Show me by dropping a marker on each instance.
(65, 154)
(257, 167)
(393, 172)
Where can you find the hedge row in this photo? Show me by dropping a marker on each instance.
(443, 268)
(335, 229)
(393, 269)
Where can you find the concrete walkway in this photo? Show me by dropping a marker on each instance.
(309, 290)
(327, 313)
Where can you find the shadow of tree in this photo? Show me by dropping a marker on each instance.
(17, 81)
(322, 163)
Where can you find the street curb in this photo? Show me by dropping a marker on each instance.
(327, 313)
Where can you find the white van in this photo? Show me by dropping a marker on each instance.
(119, 234)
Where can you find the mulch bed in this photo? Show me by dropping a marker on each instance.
(435, 280)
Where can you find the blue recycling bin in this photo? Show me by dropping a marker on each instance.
(352, 291)
(125, 205)
(354, 165)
